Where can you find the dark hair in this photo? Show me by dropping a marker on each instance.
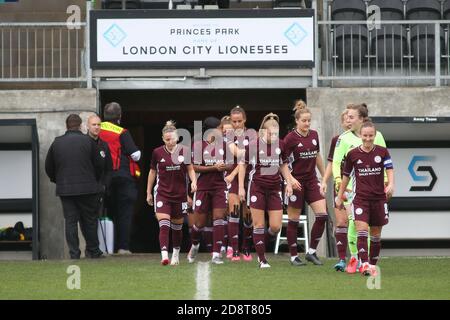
(368, 124)
(240, 110)
(363, 112)
(211, 123)
(112, 112)
(73, 121)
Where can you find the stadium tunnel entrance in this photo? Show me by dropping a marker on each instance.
(146, 111)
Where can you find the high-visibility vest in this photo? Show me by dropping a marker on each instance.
(110, 133)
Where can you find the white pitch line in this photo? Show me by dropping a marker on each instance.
(202, 281)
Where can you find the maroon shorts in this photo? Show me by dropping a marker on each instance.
(373, 212)
(205, 201)
(234, 186)
(175, 209)
(263, 198)
(310, 193)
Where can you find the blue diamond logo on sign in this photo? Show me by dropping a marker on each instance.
(114, 35)
(295, 34)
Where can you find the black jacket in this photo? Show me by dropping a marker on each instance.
(75, 163)
(106, 177)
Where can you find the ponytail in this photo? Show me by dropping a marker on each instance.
(169, 127)
(300, 108)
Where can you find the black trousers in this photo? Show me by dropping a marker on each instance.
(120, 205)
(81, 209)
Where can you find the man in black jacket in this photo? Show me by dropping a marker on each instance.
(75, 163)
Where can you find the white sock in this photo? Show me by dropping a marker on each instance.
(176, 252)
(164, 255)
(216, 255)
(311, 251)
(196, 246)
(293, 258)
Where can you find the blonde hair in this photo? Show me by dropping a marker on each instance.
(270, 119)
(225, 120)
(300, 108)
(169, 127)
(343, 115)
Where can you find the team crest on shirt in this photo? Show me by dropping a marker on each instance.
(221, 152)
(359, 211)
(159, 204)
(180, 159)
(377, 159)
(102, 153)
(245, 142)
(277, 150)
(314, 142)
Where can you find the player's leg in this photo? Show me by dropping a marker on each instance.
(201, 207)
(247, 232)
(259, 225)
(219, 208)
(320, 211)
(295, 206)
(164, 231)
(341, 237)
(176, 224)
(233, 226)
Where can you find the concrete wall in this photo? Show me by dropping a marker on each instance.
(50, 109)
(328, 103)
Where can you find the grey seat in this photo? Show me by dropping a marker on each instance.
(351, 43)
(348, 10)
(422, 43)
(390, 9)
(423, 10)
(389, 43)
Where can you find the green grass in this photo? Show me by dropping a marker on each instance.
(142, 277)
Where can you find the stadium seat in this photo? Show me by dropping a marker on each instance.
(390, 9)
(289, 4)
(423, 10)
(283, 239)
(348, 10)
(389, 43)
(422, 43)
(446, 10)
(351, 43)
(118, 4)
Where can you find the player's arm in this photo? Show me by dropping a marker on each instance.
(326, 177)
(339, 154)
(232, 175)
(192, 176)
(342, 187)
(150, 182)
(389, 171)
(205, 169)
(348, 168)
(242, 167)
(288, 178)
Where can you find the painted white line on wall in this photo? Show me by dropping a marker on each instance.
(202, 281)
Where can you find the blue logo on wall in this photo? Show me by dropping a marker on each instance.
(114, 35)
(428, 169)
(295, 34)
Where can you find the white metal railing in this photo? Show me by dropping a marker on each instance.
(403, 50)
(42, 52)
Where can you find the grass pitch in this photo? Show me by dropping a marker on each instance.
(142, 277)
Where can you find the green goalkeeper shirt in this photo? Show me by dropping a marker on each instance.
(346, 142)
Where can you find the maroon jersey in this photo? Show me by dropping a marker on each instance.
(208, 154)
(241, 142)
(331, 152)
(302, 152)
(171, 172)
(368, 171)
(332, 147)
(265, 160)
